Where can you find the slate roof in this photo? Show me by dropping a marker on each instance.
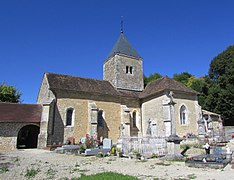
(122, 46)
(75, 83)
(165, 83)
(13, 112)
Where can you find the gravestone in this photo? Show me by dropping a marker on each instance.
(107, 143)
(68, 149)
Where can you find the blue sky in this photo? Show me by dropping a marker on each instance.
(74, 37)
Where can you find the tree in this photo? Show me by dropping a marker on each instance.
(183, 77)
(151, 78)
(9, 94)
(221, 85)
(199, 85)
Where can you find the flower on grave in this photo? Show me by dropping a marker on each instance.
(90, 141)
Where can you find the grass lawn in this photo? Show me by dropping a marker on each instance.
(106, 176)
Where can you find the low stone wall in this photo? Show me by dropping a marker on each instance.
(7, 143)
(146, 146)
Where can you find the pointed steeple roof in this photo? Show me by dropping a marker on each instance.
(122, 46)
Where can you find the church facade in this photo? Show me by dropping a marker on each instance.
(117, 106)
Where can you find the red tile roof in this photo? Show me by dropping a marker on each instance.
(13, 112)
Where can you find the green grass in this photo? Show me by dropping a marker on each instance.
(192, 176)
(3, 170)
(31, 173)
(106, 176)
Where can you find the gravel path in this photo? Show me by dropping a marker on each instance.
(49, 165)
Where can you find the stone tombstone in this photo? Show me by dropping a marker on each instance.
(201, 129)
(107, 143)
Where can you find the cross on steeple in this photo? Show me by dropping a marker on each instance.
(121, 24)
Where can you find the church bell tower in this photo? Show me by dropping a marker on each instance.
(123, 67)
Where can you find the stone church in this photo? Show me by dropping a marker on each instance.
(117, 106)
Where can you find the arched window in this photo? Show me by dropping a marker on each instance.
(134, 119)
(69, 117)
(183, 115)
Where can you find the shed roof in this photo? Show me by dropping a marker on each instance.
(13, 112)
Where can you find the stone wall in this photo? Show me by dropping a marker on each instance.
(115, 72)
(8, 135)
(152, 111)
(157, 111)
(192, 106)
(82, 119)
(112, 117)
(45, 95)
(51, 126)
(79, 128)
(110, 71)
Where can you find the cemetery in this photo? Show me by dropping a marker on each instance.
(218, 159)
(218, 156)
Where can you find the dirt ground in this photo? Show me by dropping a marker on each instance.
(46, 164)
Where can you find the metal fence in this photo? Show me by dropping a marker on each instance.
(146, 146)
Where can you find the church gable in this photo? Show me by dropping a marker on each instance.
(45, 95)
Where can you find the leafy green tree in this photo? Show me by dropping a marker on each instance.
(199, 85)
(220, 81)
(183, 77)
(9, 94)
(151, 78)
